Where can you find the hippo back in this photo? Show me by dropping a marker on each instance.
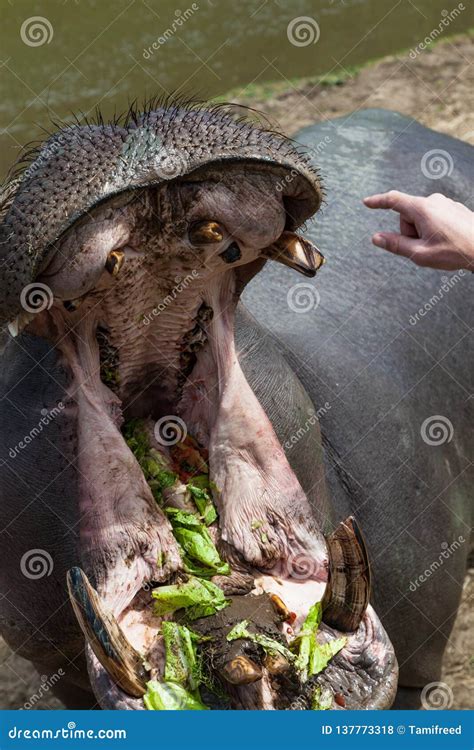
(385, 350)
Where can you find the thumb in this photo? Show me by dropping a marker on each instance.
(399, 244)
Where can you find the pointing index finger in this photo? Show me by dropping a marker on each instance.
(394, 199)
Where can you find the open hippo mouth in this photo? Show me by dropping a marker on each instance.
(165, 220)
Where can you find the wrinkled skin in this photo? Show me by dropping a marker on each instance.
(77, 492)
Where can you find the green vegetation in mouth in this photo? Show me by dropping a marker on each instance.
(179, 690)
(181, 662)
(110, 376)
(321, 699)
(169, 696)
(198, 551)
(269, 645)
(159, 475)
(312, 656)
(152, 463)
(200, 489)
(198, 597)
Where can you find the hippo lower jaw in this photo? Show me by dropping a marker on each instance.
(184, 272)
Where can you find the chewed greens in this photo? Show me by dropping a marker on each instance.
(197, 596)
(198, 551)
(200, 598)
(179, 690)
(312, 656)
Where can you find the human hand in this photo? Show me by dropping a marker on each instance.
(434, 231)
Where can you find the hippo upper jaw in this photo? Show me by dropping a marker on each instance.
(143, 289)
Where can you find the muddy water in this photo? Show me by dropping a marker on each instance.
(83, 53)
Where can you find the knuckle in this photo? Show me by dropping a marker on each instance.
(419, 258)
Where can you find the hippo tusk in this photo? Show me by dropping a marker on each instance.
(348, 589)
(114, 262)
(295, 252)
(205, 232)
(103, 633)
(241, 671)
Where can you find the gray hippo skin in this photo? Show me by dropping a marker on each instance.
(124, 251)
(363, 348)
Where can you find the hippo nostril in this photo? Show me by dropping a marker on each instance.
(205, 232)
(232, 253)
(114, 261)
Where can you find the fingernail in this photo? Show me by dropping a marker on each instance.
(379, 240)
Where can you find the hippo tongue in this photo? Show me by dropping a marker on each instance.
(264, 514)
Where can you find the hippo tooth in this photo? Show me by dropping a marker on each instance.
(348, 589)
(295, 252)
(114, 261)
(105, 636)
(205, 232)
(13, 328)
(241, 671)
(280, 606)
(276, 664)
(16, 325)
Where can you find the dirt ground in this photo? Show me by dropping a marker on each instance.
(435, 88)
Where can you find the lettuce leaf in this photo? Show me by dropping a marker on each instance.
(200, 554)
(197, 596)
(200, 492)
(170, 696)
(322, 653)
(181, 661)
(312, 656)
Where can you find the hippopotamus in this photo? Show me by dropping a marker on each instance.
(147, 273)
